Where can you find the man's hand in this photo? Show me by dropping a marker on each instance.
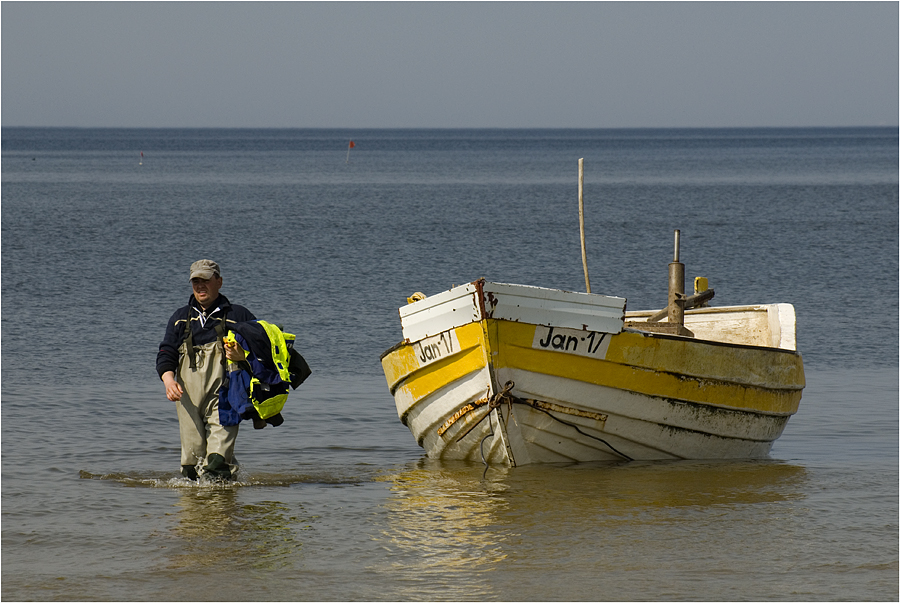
(233, 351)
(173, 389)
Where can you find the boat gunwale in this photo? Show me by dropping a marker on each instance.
(706, 310)
(394, 347)
(745, 346)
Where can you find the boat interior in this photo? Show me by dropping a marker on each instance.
(765, 325)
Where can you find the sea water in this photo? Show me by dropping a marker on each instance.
(339, 503)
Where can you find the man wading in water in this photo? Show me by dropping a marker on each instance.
(191, 364)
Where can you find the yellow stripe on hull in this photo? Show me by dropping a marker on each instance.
(668, 367)
(404, 369)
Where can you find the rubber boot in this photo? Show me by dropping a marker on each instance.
(217, 468)
(189, 471)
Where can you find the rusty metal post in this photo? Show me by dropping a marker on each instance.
(587, 280)
(676, 286)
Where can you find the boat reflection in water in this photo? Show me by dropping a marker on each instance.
(464, 536)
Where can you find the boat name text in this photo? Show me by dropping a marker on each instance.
(571, 341)
(432, 349)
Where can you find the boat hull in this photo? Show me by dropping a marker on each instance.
(517, 392)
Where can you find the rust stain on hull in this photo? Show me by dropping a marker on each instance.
(566, 410)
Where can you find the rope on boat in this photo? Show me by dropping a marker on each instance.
(495, 401)
(621, 454)
(481, 447)
(505, 395)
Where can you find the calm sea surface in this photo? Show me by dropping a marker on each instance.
(339, 503)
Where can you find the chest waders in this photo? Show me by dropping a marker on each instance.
(201, 432)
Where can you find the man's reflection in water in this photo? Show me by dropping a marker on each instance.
(216, 530)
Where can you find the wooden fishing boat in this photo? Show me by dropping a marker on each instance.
(516, 374)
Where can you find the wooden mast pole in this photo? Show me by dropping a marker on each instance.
(587, 280)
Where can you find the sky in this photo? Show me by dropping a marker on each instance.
(449, 64)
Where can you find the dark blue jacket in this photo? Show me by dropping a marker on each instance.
(234, 397)
(203, 328)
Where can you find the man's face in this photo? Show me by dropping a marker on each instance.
(206, 291)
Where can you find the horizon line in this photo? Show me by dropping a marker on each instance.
(362, 128)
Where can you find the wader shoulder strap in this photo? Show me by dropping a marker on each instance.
(189, 336)
(189, 339)
(220, 333)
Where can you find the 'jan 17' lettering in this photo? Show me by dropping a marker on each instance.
(435, 348)
(569, 342)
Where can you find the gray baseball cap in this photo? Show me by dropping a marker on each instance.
(205, 269)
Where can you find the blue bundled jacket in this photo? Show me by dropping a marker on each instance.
(257, 387)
